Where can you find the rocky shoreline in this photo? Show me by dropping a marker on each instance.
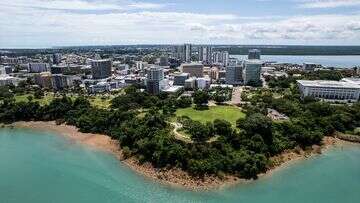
(174, 176)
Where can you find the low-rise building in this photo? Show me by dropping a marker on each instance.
(179, 79)
(342, 91)
(9, 80)
(99, 87)
(310, 66)
(194, 69)
(190, 84)
(203, 83)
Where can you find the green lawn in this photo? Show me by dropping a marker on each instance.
(100, 102)
(229, 113)
(43, 101)
(96, 101)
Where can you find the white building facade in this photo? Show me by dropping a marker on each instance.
(341, 91)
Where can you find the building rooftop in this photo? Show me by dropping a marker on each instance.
(352, 80)
(182, 74)
(100, 60)
(192, 64)
(253, 61)
(328, 83)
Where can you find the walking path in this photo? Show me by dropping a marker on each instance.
(236, 95)
(180, 136)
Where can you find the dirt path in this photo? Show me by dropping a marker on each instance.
(178, 135)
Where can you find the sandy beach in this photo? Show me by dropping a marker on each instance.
(174, 177)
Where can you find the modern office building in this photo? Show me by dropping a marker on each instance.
(179, 79)
(329, 90)
(38, 67)
(251, 72)
(254, 54)
(194, 69)
(205, 54)
(101, 68)
(155, 75)
(234, 73)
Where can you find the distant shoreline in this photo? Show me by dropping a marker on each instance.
(174, 177)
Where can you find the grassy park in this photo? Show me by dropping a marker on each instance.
(228, 113)
(96, 101)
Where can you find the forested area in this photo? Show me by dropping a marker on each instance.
(141, 124)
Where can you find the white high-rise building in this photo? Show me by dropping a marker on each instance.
(220, 58)
(205, 54)
(155, 73)
(183, 52)
(188, 51)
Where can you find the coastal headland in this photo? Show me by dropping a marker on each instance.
(174, 176)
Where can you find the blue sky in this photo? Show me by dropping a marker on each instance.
(47, 23)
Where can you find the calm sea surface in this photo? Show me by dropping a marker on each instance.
(328, 61)
(41, 168)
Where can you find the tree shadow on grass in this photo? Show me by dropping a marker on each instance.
(201, 107)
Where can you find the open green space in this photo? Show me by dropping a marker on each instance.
(228, 113)
(96, 101)
(43, 101)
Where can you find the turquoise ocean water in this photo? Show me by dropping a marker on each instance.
(40, 167)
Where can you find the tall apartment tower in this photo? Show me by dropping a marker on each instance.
(221, 58)
(187, 52)
(205, 54)
(254, 54)
(101, 68)
(155, 75)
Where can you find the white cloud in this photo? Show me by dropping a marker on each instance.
(30, 27)
(143, 5)
(81, 5)
(328, 3)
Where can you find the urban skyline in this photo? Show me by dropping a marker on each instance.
(39, 24)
